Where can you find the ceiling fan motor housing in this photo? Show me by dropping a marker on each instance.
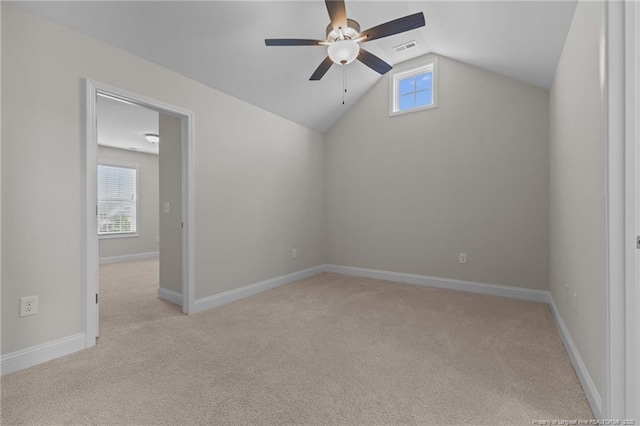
(350, 33)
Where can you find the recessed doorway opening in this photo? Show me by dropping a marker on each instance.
(114, 214)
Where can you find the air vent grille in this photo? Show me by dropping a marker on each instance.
(408, 45)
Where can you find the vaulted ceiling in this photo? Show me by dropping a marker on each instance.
(221, 43)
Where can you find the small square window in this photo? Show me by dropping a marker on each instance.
(413, 90)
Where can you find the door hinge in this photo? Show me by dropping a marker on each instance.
(96, 298)
(183, 224)
(638, 242)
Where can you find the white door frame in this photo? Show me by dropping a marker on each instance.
(620, 42)
(632, 208)
(188, 199)
(612, 80)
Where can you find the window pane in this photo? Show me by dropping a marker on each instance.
(116, 200)
(407, 102)
(414, 91)
(407, 85)
(424, 81)
(424, 98)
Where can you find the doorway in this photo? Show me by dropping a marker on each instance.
(135, 172)
(175, 202)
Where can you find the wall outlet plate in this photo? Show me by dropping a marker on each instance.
(462, 258)
(28, 306)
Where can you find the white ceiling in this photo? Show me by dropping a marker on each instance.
(221, 43)
(123, 125)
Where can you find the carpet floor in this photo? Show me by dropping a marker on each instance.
(329, 349)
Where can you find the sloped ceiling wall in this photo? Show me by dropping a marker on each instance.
(221, 43)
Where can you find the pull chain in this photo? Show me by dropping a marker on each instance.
(344, 82)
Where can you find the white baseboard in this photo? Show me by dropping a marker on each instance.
(250, 290)
(590, 390)
(170, 296)
(531, 295)
(34, 355)
(127, 257)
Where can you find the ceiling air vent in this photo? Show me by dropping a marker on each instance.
(405, 46)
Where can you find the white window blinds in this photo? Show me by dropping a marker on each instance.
(117, 200)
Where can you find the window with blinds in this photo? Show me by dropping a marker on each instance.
(117, 200)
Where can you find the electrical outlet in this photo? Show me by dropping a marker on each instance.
(462, 258)
(294, 253)
(574, 304)
(28, 306)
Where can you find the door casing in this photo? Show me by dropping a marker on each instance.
(92, 89)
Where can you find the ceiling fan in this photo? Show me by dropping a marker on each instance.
(344, 38)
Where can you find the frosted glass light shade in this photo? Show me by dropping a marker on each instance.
(152, 137)
(343, 51)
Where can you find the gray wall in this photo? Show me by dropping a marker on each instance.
(257, 177)
(170, 192)
(410, 192)
(148, 229)
(577, 246)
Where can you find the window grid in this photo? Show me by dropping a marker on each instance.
(417, 96)
(413, 90)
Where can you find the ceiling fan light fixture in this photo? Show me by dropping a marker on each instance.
(344, 36)
(343, 52)
(152, 137)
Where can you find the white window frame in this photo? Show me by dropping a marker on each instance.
(402, 73)
(124, 165)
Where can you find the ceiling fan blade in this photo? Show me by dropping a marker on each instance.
(293, 42)
(337, 13)
(373, 62)
(322, 69)
(396, 26)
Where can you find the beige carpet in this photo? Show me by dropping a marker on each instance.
(330, 349)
